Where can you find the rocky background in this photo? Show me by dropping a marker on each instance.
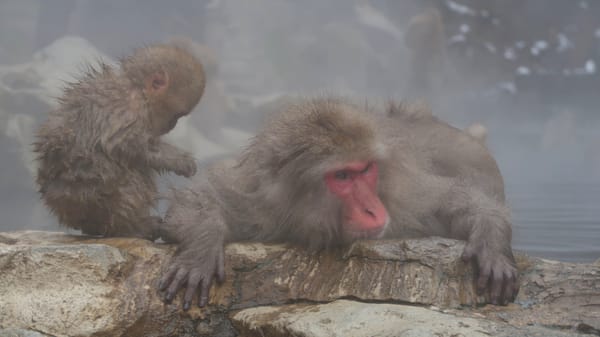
(54, 284)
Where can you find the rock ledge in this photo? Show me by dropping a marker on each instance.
(54, 284)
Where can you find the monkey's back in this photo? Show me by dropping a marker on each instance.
(445, 151)
(86, 187)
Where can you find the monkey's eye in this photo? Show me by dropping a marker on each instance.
(342, 175)
(366, 169)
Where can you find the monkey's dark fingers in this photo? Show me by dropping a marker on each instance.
(204, 291)
(192, 284)
(485, 272)
(166, 279)
(498, 280)
(175, 285)
(515, 287)
(220, 272)
(510, 288)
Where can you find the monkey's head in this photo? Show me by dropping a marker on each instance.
(171, 79)
(328, 151)
(210, 60)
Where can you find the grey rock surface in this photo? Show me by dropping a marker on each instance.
(20, 333)
(345, 318)
(65, 285)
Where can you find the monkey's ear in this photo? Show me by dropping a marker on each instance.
(158, 82)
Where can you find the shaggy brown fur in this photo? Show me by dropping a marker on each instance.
(433, 180)
(100, 150)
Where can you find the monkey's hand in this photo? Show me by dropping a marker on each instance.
(193, 268)
(496, 271)
(185, 166)
(166, 157)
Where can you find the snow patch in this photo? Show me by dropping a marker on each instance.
(460, 8)
(538, 47)
(590, 67)
(509, 54)
(509, 87)
(563, 43)
(490, 47)
(523, 71)
(457, 39)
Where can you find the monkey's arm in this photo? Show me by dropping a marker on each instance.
(200, 230)
(485, 224)
(126, 138)
(166, 157)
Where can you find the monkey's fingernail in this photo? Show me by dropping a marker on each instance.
(169, 297)
(186, 306)
(202, 301)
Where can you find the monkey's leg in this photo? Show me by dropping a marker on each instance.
(112, 217)
(89, 218)
(129, 208)
(130, 214)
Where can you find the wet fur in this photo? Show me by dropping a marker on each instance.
(434, 180)
(98, 153)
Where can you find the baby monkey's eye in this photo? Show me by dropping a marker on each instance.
(342, 175)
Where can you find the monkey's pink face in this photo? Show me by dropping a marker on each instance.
(363, 213)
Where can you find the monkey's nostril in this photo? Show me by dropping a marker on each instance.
(370, 212)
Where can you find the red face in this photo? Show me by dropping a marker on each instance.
(364, 215)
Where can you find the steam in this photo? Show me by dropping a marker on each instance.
(533, 87)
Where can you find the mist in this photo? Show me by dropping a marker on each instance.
(529, 70)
